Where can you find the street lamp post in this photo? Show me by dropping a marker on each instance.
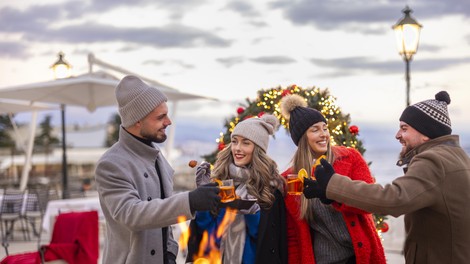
(407, 31)
(61, 70)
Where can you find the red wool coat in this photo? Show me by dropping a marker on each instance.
(366, 242)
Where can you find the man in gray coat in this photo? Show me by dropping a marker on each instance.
(434, 193)
(135, 182)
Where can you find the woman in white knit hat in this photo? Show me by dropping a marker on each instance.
(258, 233)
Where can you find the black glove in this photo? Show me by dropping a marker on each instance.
(313, 190)
(205, 197)
(323, 174)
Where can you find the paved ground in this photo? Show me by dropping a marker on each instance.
(392, 241)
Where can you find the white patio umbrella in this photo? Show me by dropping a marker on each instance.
(11, 107)
(90, 90)
(17, 106)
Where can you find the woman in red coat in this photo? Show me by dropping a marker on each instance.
(325, 231)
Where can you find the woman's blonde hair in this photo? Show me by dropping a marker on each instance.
(304, 159)
(264, 174)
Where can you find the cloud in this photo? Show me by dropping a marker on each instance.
(77, 9)
(357, 64)
(178, 63)
(36, 24)
(243, 8)
(351, 65)
(333, 15)
(13, 49)
(361, 15)
(429, 65)
(273, 60)
(162, 37)
(248, 11)
(433, 9)
(29, 20)
(429, 48)
(467, 37)
(230, 61)
(258, 24)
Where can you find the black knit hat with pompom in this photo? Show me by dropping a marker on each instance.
(294, 108)
(429, 117)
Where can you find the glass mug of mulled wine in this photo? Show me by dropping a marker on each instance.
(295, 185)
(227, 191)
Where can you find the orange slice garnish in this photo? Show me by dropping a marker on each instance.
(219, 182)
(302, 173)
(317, 162)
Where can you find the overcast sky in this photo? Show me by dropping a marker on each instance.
(231, 49)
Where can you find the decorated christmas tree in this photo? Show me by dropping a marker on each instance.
(341, 131)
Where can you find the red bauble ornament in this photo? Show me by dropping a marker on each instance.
(240, 110)
(385, 227)
(221, 146)
(286, 92)
(261, 114)
(354, 130)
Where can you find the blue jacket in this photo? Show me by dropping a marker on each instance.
(266, 239)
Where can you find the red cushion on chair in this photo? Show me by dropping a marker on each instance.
(23, 258)
(75, 238)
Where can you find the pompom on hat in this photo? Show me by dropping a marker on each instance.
(136, 99)
(294, 108)
(430, 117)
(257, 130)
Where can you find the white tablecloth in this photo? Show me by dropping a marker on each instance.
(54, 207)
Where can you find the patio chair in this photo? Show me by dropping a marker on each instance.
(36, 203)
(11, 211)
(74, 240)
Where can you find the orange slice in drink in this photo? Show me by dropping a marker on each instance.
(302, 173)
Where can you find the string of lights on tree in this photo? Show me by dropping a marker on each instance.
(268, 101)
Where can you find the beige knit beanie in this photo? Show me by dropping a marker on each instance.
(257, 129)
(136, 99)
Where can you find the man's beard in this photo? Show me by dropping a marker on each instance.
(160, 139)
(153, 137)
(404, 150)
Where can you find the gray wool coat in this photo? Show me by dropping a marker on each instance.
(129, 193)
(434, 196)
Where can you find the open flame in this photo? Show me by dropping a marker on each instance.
(229, 216)
(208, 252)
(185, 232)
(213, 257)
